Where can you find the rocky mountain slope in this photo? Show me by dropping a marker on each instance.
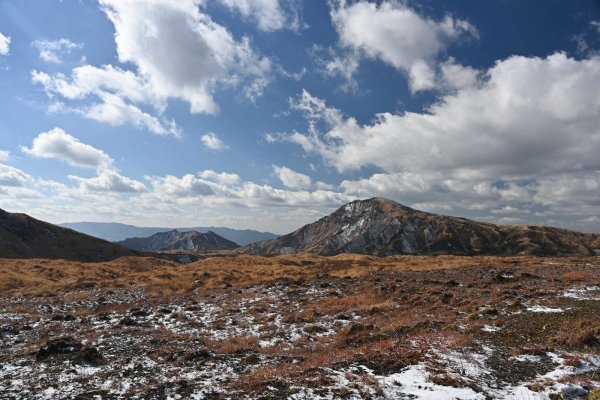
(115, 232)
(380, 226)
(22, 236)
(175, 240)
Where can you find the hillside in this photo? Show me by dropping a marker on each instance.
(380, 226)
(175, 240)
(22, 236)
(115, 232)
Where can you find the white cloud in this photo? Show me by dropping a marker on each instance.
(223, 178)
(525, 133)
(269, 15)
(4, 44)
(88, 80)
(596, 24)
(109, 181)
(212, 142)
(421, 76)
(292, 179)
(117, 90)
(59, 145)
(190, 189)
(397, 35)
(13, 177)
(180, 51)
(334, 63)
(186, 186)
(53, 51)
(4, 155)
(177, 51)
(456, 76)
(114, 111)
(323, 186)
(206, 198)
(526, 114)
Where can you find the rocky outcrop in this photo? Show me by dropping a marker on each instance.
(380, 226)
(175, 240)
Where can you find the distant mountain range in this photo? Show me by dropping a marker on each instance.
(22, 236)
(116, 232)
(382, 227)
(175, 240)
(376, 226)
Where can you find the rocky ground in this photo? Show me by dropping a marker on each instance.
(319, 328)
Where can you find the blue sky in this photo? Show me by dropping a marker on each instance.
(269, 114)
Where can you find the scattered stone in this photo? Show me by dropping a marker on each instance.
(56, 347)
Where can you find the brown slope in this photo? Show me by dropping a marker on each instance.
(380, 226)
(22, 236)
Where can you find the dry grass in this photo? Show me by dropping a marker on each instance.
(582, 332)
(392, 312)
(162, 277)
(576, 276)
(233, 344)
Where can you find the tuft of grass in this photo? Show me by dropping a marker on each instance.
(594, 394)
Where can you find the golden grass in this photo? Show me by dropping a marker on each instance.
(161, 277)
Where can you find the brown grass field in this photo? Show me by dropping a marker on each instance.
(300, 326)
(49, 277)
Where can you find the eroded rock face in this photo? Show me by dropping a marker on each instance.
(382, 227)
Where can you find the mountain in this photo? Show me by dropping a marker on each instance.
(175, 240)
(115, 232)
(22, 236)
(380, 226)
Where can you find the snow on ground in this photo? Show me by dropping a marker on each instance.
(544, 309)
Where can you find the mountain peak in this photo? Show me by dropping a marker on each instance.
(175, 240)
(380, 226)
(381, 202)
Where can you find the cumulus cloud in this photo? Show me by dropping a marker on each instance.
(292, 179)
(115, 111)
(13, 177)
(59, 145)
(177, 52)
(525, 129)
(166, 200)
(53, 51)
(212, 142)
(397, 35)
(180, 51)
(298, 181)
(4, 44)
(196, 188)
(109, 181)
(4, 155)
(114, 92)
(269, 15)
(456, 76)
(88, 80)
(527, 114)
(224, 178)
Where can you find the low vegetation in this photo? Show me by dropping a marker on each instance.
(301, 326)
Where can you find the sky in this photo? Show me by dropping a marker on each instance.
(270, 114)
